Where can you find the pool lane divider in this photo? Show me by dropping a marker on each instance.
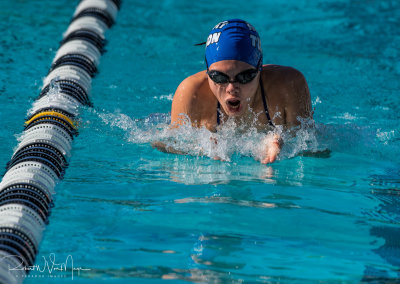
(41, 158)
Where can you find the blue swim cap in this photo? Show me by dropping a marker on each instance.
(234, 40)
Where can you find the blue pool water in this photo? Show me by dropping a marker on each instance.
(131, 214)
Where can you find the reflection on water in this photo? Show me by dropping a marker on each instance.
(386, 189)
(194, 275)
(204, 171)
(211, 250)
(191, 170)
(389, 252)
(226, 200)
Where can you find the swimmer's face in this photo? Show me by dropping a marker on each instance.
(234, 97)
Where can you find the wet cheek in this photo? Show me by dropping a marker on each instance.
(218, 91)
(218, 88)
(221, 90)
(247, 93)
(251, 89)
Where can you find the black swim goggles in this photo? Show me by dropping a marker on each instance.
(244, 77)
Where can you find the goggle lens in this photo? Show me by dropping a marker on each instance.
(242, 78)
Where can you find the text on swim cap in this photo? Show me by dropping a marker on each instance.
(255, 42)
(213, 38)
(220, 25)
(251, 27)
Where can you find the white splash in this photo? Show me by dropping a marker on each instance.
(168, 97)
(230, 139)
(55, 98)
(385, 136)
(316, 101)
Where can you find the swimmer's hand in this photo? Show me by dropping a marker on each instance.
(165, 148)
(271, 148)
(214, 143)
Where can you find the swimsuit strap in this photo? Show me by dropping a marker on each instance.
(218, 112)
(265, 104)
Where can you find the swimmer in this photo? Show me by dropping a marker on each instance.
(236, 85)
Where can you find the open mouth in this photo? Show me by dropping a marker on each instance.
(233, 103)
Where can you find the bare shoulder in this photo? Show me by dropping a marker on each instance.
(281, 74)
(188, 98)
(288, 91)
(284, 82)
(189, 87)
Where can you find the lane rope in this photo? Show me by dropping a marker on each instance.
(39, 162)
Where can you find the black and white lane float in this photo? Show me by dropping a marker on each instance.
(41, 158)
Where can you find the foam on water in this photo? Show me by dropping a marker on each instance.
(232, 141)
(54, 97)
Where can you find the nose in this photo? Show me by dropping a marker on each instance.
(232, 87)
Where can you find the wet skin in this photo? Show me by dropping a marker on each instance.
(286, 93)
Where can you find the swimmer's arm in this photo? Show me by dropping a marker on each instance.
(297, 99)
(161, 146)
(299, 109)
(183, 108)
(182, 112)
(297, 106)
